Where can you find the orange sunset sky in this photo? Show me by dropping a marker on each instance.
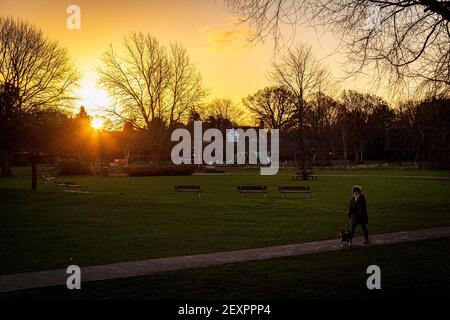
(218, 46)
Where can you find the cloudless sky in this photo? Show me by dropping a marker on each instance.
(217, 45)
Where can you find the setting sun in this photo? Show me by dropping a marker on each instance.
(90, 95)
(97, 123)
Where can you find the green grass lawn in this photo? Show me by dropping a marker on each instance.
(419, 270)
(138, 218)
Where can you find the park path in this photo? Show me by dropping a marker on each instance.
(21, 281)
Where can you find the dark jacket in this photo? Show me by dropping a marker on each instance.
(357, 210)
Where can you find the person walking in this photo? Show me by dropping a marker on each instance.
(357, 212)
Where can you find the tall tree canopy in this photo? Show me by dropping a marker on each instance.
(224, 110)
(304, 76)
(35, 74)
(154, 86)
(274, 107)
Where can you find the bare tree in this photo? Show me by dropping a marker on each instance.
(39, 74)
(300, 72)
(303, 75)
(186, 89)
(407, 42)
(224, 109)
(153, 86)
(272, 106)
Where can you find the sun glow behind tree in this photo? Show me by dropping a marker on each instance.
(90, 95)
(97, 123)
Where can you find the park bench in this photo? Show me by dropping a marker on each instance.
(308, 174)
(294, 189)
(187, 188)
(252, 189)
(70, 187)
(59, 183)
(47, 178)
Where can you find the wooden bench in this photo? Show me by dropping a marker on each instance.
(294, 189)
(187, 188)
(68, 186)
(300, 175)
(252, 189)
(47, 178)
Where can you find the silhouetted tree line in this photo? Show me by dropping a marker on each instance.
(361, 127)
(156, 88)
(353, 128)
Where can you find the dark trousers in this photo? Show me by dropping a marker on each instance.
(355, 222)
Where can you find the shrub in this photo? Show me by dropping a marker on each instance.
(73, 167)
(160, 171)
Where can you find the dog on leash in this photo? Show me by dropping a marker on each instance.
(346, 237)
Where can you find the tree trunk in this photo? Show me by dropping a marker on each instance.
(127, 153)
(6, 164)
(156, 157)
(34, 164)
(361, 149)
(416, 157)
(356, 152)
(344, 144)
